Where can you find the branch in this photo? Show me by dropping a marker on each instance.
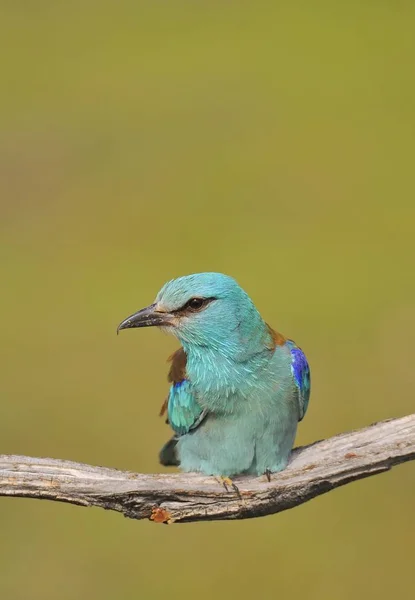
(313, 470)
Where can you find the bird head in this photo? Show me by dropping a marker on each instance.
(204, 309)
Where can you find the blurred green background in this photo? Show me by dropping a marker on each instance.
(145, 140)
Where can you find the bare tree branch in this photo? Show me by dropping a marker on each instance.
(313, 470)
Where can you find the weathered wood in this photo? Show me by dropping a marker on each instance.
(313, 470)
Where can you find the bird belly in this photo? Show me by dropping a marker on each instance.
(251, 422)
(229, 445)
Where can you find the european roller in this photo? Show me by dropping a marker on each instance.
(238, 388)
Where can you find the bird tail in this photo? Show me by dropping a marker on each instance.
(168, 454)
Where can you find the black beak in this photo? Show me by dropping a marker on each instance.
(147, 317)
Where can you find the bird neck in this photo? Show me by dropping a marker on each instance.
(229, 373)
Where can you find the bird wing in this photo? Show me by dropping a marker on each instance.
(183, 410)
(301, 374)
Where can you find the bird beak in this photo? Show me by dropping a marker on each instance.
(147, 317)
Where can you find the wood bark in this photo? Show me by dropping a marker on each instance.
(177, 498)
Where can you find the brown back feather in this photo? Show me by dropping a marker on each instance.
(177, 372)
(277, 339)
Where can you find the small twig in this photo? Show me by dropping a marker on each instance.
(313, 470)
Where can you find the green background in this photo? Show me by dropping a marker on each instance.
(146, 140)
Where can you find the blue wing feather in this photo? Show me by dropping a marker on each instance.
(301, 374)
(184, 413)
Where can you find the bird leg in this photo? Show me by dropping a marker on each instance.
(268, 474)
(227, 483)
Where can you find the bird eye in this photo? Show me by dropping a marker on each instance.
(196, 303)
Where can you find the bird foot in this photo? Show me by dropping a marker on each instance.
(228, 483)
(268, 474)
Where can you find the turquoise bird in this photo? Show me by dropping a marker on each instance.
(238, 388)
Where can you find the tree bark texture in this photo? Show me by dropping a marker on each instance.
(178, 498)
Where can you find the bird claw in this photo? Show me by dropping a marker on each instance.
(228, 483)
(268, 474)
(225, 481)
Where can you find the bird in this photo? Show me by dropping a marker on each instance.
(238, 387)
